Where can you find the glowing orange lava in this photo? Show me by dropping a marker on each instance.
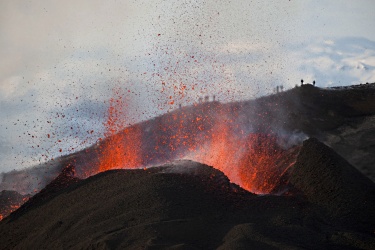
(121, 148)
(264, 163)
(255, 161)
(208, 133)
(220, 150)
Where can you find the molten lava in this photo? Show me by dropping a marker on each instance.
(255, 161)
(220, 149)
(264, 163)
(120, 149)
(208, 133)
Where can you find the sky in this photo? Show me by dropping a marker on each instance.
(62, 61)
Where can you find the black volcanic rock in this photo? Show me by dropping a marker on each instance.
(180, 205)
(331, 182)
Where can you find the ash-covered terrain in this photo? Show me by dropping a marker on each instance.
(261, 183)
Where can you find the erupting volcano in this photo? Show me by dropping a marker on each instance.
(210, 133)
(192, 178)
(190, 124)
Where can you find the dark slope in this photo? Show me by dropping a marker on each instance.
(187, 205)
(128, 208)
(332, 183)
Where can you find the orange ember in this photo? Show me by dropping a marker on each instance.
(255, 161)
(220, 150)
(264, 163)
(121, 148)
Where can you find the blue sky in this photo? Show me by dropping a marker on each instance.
(62, 59)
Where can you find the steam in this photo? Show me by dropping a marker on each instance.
(290, 139)
(30, 180)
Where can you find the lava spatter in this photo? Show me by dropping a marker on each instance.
(121, 148)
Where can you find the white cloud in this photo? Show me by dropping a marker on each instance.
(343, 62)
(245, 47)
(329, 42)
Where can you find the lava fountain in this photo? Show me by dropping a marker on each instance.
(121, 148)
(208, 133)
